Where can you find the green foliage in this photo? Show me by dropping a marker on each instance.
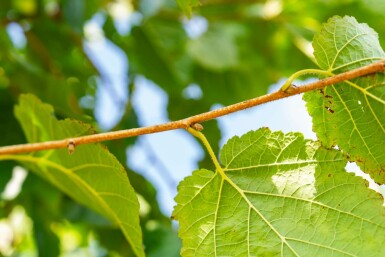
(92, 176)
(187, 6)
(279, 195)
(246, 46)
(350, 114)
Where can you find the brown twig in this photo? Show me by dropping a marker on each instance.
(185, 123)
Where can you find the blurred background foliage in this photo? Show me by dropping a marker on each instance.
(229, 51)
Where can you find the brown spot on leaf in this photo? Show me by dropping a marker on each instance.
(329, 109)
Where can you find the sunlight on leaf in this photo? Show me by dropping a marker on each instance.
(91, 175)
(351, 115)
(281, 195)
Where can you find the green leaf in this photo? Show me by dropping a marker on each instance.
(350, 115)
(187, 5)
(92, 175)
(344, 44)
(279, 195)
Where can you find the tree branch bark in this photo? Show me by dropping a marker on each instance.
(199, 118)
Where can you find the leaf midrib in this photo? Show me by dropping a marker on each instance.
(281, 163)
(241, 192)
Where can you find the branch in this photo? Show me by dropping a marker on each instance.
(187, 122)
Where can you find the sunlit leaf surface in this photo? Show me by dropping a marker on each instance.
(280, 195)
(351, 115)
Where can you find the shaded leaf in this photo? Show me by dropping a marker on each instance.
(114, 241)
(351, 115)
(9, 125)
(161, 240)
(279, 195)
(46, 67)
(13, 132)
(91, 175)
(38, 192)
(6, 175)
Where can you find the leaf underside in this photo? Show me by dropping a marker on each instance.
(352, 114)
(280, 195)
(91, 176)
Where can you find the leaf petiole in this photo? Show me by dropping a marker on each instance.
(294, 76)
(206, 143)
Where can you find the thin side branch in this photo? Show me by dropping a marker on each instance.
(186, 123)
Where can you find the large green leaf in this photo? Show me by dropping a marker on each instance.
(92, 175)
(351, 115)
(279, 195)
